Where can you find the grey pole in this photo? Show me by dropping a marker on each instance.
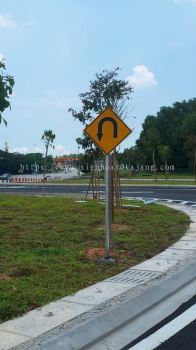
(107, 207)
(107, 259)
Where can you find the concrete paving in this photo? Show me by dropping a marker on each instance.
(40, 321)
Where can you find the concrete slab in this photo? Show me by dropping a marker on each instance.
(99, 293)
(190, 231)
(193, 225)
(8, 340)
(189, 237)
(43, 319)
(184, 244)
(157, 265)
(174, 254)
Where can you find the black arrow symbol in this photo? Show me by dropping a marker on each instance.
(100, 127)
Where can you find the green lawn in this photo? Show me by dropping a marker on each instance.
(44, 240)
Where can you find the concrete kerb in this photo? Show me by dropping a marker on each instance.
(42, 320)
(90, 331)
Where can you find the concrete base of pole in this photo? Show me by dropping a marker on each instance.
(107, 260)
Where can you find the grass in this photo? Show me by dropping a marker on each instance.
(44, 240)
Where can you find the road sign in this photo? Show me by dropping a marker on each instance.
(107, 131)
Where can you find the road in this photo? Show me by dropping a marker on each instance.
(166, 192)
(176, 332)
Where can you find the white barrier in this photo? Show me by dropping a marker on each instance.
(26, 178)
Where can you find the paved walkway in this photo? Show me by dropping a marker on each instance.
(41, 320)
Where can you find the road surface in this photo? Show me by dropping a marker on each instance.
(166, 192)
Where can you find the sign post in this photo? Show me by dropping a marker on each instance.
(107, 206)
(107, 131)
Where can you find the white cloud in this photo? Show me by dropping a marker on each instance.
(22, 150)
(6, 21)
(25, 150)
(61, 149)
(142, 77)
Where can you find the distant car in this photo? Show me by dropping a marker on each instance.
(6, 177)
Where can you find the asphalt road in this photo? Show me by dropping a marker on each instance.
(169, 192)
(184, 339)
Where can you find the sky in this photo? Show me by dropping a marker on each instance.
(54, 48)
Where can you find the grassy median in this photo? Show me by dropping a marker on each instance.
(48, 246)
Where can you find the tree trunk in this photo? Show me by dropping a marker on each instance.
(195, 169)
(166, 171)
(154, 165)
(44, 173)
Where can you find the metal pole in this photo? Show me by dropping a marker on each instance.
(107, 206)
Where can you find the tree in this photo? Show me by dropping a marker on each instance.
(165, 155)
(6, 88)
(189, 134)
(107, 90)
(171, 124)
(149, 141)
(48, 139)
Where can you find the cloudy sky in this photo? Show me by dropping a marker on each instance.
(54, 48)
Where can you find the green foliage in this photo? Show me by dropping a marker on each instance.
(6, 88)
(189, 135)
(48, 138)
(173, 127)
(13, 162)
(107, 90)
(165, 153)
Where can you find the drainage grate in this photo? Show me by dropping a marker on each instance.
(134, 276)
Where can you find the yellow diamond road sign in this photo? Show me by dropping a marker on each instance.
(107, 131)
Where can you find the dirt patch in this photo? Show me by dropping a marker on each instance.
(3, 277)
(92, 253)
(118, 227)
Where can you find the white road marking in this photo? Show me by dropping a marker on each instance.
(92, 191)
(137, 191)
(12, 187)
(166, 332)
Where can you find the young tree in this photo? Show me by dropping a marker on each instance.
(48, 139)
(165, 155)
(6, 88)
(107, 90)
